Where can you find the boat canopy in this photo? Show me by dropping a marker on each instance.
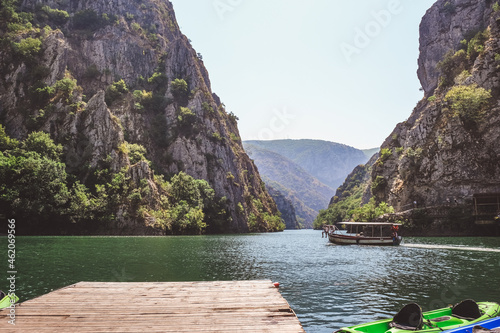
(369, 223)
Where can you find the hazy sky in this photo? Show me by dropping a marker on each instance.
(342, 71)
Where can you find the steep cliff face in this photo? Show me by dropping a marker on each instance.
(442, 29)
(286, 208)
(447, 151)
(109, 73)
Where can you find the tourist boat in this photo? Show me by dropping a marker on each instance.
(411, 319)
(364, 233)
(7, 300)
(488, 325)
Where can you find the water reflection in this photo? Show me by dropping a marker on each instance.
(328, 286)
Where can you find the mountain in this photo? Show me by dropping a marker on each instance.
(307, 194)
(329, 162)
(445, 158)
(109, 125)
(287, 166)
(285, 206)
(370, 152)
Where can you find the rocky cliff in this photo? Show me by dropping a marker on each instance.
(442, 29)
(447, 151)
(286, 208)
(103, 76)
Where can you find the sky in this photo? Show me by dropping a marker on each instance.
(340, 71)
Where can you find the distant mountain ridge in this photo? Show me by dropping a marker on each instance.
(370, 152)
(306, 172)
(329, 162)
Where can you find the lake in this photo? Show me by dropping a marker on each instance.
(328, 286)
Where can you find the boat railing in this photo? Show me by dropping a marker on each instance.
(361, 229)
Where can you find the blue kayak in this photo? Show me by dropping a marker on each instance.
(489, 324)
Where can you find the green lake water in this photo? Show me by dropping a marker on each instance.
(328, 286)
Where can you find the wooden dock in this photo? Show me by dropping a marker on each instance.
(228, 306)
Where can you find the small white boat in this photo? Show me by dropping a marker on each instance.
(364, 233)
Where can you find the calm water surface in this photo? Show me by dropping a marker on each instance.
(328, 286)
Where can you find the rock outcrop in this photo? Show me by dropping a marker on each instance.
(442, 29)
(447, 152)
(439, 156)
(123, 72)
(285, 206)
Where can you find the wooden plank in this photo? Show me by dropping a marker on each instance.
(220, 306)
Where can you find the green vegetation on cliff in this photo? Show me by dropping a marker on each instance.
(347, 198)
(36, 188)
(455, 62)
(468, 102)
(139, 145)
(348, 203)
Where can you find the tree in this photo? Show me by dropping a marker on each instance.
(12, 20)
(5, 141)
(468, 102)
(187, 219)
(196, 192)
(185, 115)
(136, 153)
(371, 210)
(59, 17)
(33, 185)
(41, 143)
(191, 198)
(28, 47)
(452, 64)
(158, 79)
(82, 205)
(66, 86)
(115, 90)
(180, 90)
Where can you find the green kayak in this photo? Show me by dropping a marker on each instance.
(7, 300)
(411, 318)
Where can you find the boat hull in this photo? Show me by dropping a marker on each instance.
(362, 240)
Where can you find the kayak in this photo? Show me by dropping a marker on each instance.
(479, 329)
(411, 319)
(488, 325)
(7, 300)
